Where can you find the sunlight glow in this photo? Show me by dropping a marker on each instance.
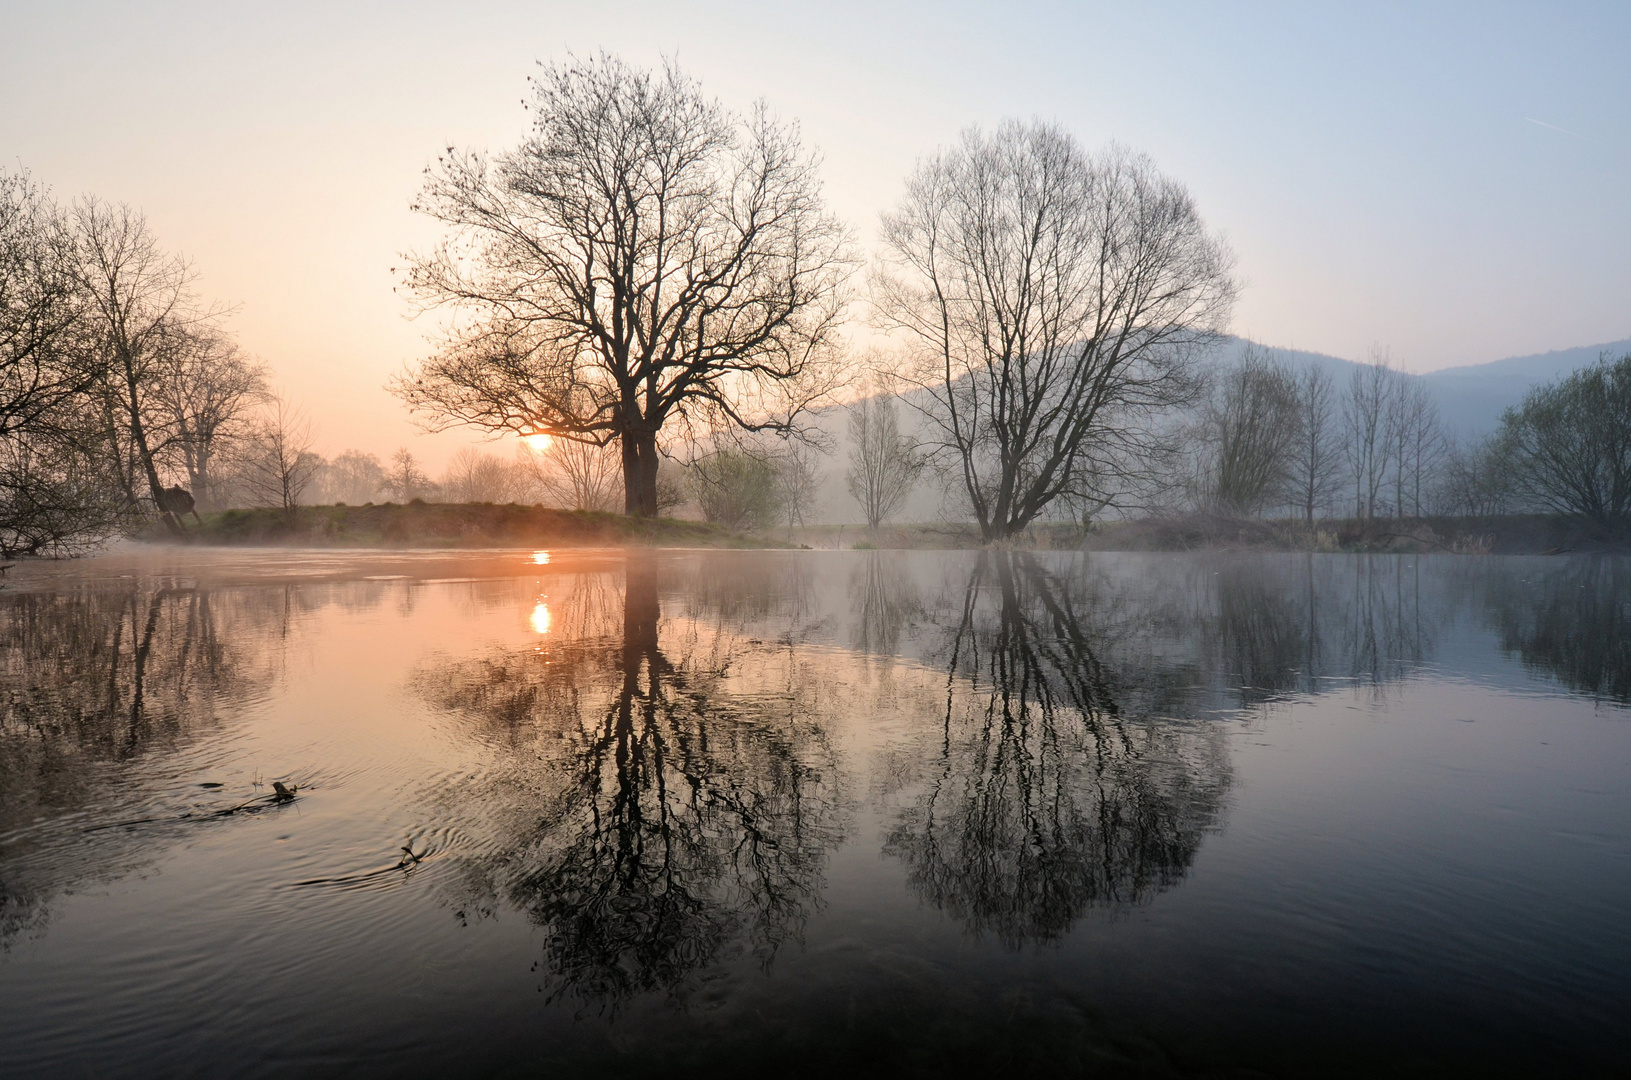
(540, 618)
(538, 443)
(541, 558)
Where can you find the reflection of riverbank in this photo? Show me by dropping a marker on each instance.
(102, 688)
(1509, 534)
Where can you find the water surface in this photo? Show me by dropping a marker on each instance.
(725, 813)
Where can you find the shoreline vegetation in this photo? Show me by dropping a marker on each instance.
(421, 524)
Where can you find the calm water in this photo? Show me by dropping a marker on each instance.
(779, 813)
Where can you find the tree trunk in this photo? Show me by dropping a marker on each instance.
(640, 473)
(138, 435)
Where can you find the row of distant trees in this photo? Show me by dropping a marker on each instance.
(1270, 438)
(124, 399)
(1273, 440)
(121, 395)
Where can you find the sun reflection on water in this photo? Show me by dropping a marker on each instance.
(541, 558)
(540, 618)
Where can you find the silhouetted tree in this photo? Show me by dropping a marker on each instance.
(1569, 444)
(1049, 299)
(645, 257)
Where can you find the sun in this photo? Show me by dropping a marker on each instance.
(539, 443)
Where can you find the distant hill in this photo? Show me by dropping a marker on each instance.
(1470, 399)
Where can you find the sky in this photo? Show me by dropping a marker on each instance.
(1446, 181)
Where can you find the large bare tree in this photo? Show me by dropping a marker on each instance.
(645, 257)
(138, 300)
(52, 492)
(1050, 298)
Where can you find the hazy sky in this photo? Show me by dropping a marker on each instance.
(1450, 181)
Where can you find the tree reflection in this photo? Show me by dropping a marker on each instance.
(886, 603)
(1273, 625)
(1571, 621)
(99, 685)
(1045, 799)
(663, 799)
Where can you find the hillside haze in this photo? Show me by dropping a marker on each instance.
(1470, 399)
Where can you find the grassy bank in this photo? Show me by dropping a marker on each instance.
(454, 525)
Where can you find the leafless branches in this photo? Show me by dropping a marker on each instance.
(280, 464)
(1315, 469)
(204, 396)
(575, 475)
(645, 257)
(884, 466)
(1050, 298)
(1251, 435)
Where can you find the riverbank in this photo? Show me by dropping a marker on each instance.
(1515, 534)
(455, 525)
(479, 525)
(1511, 534)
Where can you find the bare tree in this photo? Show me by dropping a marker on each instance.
(1050, 299)
(476, 477)
(137, 300)
(204, 394)
(645, 257)
(884, 466)
(1477, 479)
(40, 309)
(406, 480)
(280, 463)
(353, 477)
(54, 493)
(1366, 444)
(575, 475)
(1418, 443)
(799, 477)
(1316, 457)
(1250, 425)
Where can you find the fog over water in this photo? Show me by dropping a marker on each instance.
(642, 812)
